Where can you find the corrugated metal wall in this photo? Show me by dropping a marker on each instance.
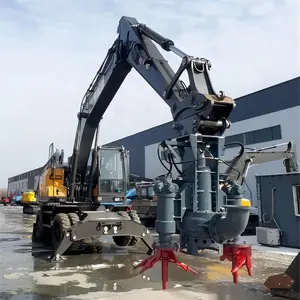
(272, 99)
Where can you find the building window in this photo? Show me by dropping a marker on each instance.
(296, 196)
(256, 136)
(236, 138)
(276, 132)
(250, 137)
(263, 135)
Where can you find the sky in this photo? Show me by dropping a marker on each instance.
(51, 50)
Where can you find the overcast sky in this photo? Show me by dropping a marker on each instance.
(50, 51)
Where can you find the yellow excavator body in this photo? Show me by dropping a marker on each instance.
(51, 184)
(28, 197)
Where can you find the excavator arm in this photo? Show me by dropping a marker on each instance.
(196, 107)
(238, 167)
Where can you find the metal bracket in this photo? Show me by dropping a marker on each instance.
(97, 227)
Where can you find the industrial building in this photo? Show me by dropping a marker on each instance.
(263, 118)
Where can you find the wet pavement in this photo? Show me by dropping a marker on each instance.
(25, 273)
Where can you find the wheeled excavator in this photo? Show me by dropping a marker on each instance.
(238, 167)
(72, 212)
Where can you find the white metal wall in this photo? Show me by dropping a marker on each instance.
(20, 185)
(289, 119)
(36, 180)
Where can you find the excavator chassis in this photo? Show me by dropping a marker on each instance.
(90, 226)
(30, 209)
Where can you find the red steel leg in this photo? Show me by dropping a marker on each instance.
(166, 256)
(239, 255)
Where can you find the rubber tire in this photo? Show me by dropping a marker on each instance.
(40, 231)
(33, 235)
(134, 217)
(122, 241)
(61, 221)
(74, 219)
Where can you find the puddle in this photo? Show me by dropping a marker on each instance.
(9, 239)
(104, 276)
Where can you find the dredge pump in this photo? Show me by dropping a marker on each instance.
(208, 216)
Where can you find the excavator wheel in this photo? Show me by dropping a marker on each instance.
(74, 219)
(77, 246)
(124, 240)
(134, 217)
(40, 231)
(61, 223)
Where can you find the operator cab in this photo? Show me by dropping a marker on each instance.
(113, 175)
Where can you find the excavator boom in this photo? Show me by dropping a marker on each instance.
(195, 107)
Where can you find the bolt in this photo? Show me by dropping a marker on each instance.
(143, 234)
(67, 234)
(148, 66)
(74, 237)
(115, 228)
(147, 231)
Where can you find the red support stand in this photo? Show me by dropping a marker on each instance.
(239, 255)
(166, 256)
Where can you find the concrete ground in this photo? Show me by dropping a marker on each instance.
(25, 274)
